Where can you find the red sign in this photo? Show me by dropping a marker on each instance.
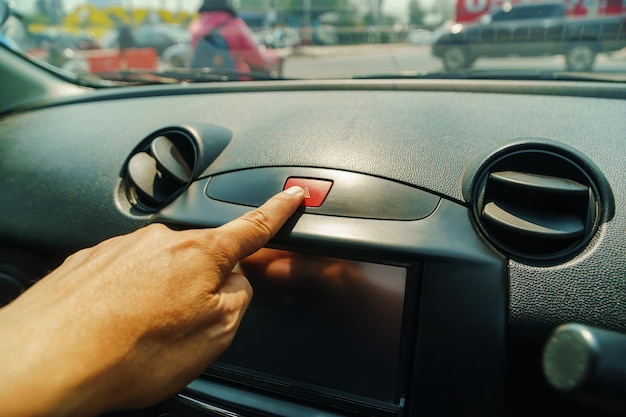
(472, 10)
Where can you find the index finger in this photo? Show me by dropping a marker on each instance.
(250, 232)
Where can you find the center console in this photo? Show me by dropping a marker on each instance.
(357, 310)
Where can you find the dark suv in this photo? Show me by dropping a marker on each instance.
(531, 30)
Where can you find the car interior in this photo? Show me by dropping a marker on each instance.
(467, 255)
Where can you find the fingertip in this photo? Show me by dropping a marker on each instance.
(295, 191)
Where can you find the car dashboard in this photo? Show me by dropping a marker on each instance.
(467, 220)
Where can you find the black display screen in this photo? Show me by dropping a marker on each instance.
(322, 322)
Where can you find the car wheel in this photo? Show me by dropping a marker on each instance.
(580, 57)
(456, 58)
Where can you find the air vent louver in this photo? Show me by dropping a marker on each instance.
(161, 170)
(536, 204)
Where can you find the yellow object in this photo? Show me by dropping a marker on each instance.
(87, 18)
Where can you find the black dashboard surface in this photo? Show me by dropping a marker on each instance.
(61, 166)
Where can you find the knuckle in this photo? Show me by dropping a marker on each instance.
(260, 219)
(217, 255)
(230, 323)
(244, 294)
(155, 229)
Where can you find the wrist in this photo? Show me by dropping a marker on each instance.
(36, 378)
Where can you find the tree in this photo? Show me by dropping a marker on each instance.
(416, 12)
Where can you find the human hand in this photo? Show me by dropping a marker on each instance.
(132, 320)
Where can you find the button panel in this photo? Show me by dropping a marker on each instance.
(331, 192)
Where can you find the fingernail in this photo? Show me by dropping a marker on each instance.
(295, 190)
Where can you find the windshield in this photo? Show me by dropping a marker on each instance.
(226, 40)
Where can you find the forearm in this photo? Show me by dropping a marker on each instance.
(32, 382)
(49, 357)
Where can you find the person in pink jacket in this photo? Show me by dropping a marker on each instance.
(220, 39)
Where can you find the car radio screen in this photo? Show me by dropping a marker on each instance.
(321, 322)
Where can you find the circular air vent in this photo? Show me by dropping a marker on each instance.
(160, 170)
(536, 204)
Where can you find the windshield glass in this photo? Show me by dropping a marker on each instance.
(239, 40)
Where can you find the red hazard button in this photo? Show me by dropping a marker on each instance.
(315, 191)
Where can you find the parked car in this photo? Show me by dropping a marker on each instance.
(177, 55)
(531, 30)
(279, 38)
